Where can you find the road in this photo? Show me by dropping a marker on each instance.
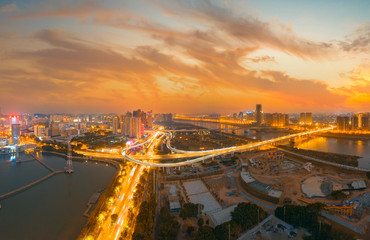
(147, 159)
(207, 154)
(121, 206)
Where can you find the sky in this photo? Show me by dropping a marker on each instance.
(194, 56)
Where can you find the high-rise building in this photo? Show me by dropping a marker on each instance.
(308, 118)
(52, 131)
(276, 119)
(125, 126)
(149, 119)
(269, 118)
(355, 122)
(116, 124)
(340, 123)
(135, 128)
(14, 120)
(343, 123)
(365, 124)
(132, 127)
(287, 119)
(302, 118)
(39, 130)
(259, 114)
(137, 113)
(140, 114)
(347, 126)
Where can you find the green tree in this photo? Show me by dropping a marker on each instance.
(200, 222)
(307, 217)
(338, 195)
(247, 215)
(222, 231)
(190, 229)
(190, 210)
(205, 233)
(114, 217)
(168, 226)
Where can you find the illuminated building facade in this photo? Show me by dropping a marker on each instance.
(302, 118)
(115, 126)
(306, 118)
(132, 127)
(259, 114)
(39, 130)
(276, 119)
(15, 127)
(149, 119)
(343, 123)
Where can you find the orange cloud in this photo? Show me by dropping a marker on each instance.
(191, 68)
(358, 93)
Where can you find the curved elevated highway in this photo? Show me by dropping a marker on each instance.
(207, 154)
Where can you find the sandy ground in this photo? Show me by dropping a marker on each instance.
(289, 181)
(222, 185)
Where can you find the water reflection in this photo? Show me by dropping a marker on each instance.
(359, 148)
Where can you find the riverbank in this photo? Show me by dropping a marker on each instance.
(343, 159)
(84, 159)
(351, 136)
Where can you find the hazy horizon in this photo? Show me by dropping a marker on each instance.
(184, 56)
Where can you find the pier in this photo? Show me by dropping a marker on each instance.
(32, 184)
(45, 165)
(54, 172)
(18, 190)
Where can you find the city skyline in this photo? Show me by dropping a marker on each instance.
(184, 56)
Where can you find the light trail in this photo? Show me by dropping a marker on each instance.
(221, 151)
(127, 189)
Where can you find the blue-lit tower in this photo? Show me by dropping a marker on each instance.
(15, 126)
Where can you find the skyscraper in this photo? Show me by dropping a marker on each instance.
(259, 114)
(308, 118)
(365, 122)
(355, 122)
(287, 119)
(14, 120)
(149, 119)
(132, 127)
(115, 125)
(343, 123)
(39, 130)
(302, 118)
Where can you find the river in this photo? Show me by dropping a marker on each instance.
(54, 208)
(359, 148)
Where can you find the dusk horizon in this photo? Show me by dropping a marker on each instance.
(184, 120)
(184, 56)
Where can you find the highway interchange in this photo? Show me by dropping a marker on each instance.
(109, 229)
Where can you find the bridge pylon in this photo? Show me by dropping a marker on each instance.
(69, 168)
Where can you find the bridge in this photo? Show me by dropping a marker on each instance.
(207, 154)
(25, 187)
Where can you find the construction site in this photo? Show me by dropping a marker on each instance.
(274, 177)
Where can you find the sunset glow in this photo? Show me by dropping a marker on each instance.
(184, 56)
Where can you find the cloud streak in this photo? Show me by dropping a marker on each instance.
(192, 63)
